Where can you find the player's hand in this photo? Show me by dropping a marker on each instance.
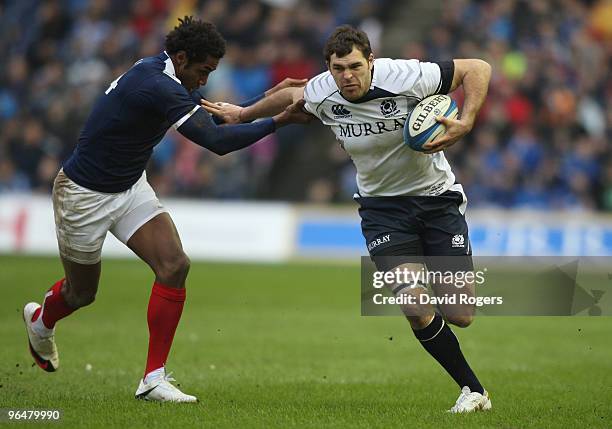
(229, 113)
(294, 114)
(455, 129)
(286, 83)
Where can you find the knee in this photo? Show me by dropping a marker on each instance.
(461, 321)
(174, 267)
(419, 322)
(86, 299)
(78, 299)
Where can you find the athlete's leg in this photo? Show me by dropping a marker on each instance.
(446, 243)
(428, 326)
(158, 244)
(142, 224)
(77, 289)
(81, 226)
(81, 283)
(447, 248)
(419, 313)
(460, 314)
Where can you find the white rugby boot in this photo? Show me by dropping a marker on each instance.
(42, 348)
(156, 387)
(469, 402)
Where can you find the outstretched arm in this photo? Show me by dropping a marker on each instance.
(474, 75)
(288, 82)
(201, 129)
(269, 105)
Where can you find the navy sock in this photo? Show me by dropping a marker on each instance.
(438, 339)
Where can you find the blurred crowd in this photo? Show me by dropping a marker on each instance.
(542, 140)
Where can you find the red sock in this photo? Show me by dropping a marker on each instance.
(163, 315)
(54, 308)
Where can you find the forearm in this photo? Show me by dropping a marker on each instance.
(253, 100)
(475, 86)
(268, 106)
(224, 139)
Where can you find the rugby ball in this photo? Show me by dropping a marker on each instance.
(421, 126)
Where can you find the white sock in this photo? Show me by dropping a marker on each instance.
(40, 329)
(155, 374)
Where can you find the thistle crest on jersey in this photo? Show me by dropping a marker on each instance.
(458, 240)
(389, 108)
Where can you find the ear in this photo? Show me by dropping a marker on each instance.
(181, 58)
(371, 60)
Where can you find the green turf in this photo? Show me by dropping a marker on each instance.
(284, 346)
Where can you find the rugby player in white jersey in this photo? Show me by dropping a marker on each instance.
(411, 207)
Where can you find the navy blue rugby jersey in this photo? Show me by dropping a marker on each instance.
(126, 123)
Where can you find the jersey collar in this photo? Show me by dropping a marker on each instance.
(169, 70)
(374, 76)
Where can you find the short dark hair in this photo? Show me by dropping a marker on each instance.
(197, 38)
(342, 41)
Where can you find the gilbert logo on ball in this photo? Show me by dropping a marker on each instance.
(422, 127)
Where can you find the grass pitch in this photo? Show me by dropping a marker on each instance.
(277, 346)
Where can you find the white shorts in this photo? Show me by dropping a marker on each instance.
(83, 217)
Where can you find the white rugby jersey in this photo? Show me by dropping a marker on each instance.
(371, 129)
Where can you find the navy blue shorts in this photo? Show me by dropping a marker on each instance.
(430, 230)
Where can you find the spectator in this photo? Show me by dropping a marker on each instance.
(542, 140)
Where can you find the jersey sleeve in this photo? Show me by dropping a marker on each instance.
(200, 129)
(310, 104)
(421, 79)
(316, 91)
(447, 73)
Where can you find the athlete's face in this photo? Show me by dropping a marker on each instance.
(195, 74)
(352, 73)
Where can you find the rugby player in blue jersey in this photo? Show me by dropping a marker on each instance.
(103, 187)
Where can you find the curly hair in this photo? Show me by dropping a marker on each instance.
(197, 38)
(343, 39)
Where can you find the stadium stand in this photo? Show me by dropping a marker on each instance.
(543, 139)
